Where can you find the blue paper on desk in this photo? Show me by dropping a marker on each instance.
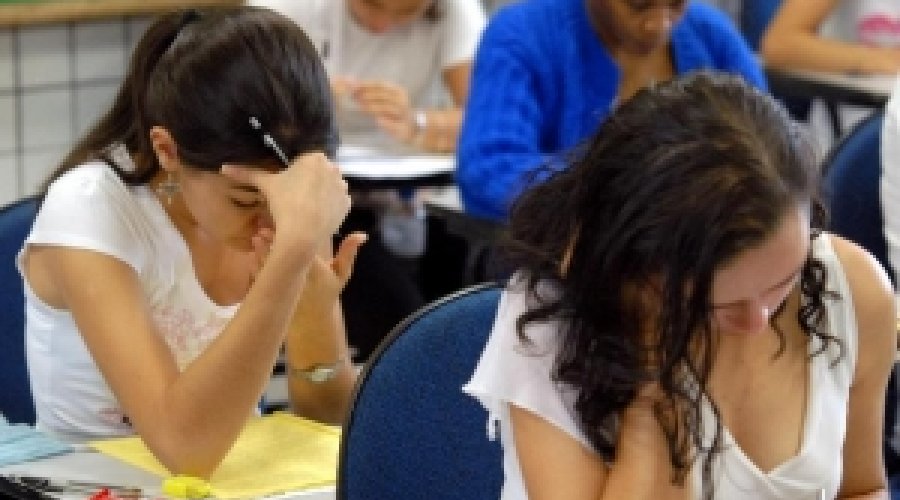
(21, 443)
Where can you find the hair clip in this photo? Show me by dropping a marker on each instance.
(269, 141)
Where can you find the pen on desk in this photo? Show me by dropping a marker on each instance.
(48, 485)
(9, 488)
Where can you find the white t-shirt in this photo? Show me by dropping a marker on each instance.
(91, 208)
(510, 373)
(411, 56)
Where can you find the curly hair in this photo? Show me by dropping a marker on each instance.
(679, 180)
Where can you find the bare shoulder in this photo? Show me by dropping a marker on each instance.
(869, 283)
(873, 300)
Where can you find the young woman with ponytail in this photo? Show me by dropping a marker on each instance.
(187, 238)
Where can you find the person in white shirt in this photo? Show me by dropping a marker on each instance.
(839, 36)
(398, 66)
(399, 72)
(679, 326)
(853, 37)
(186, 240)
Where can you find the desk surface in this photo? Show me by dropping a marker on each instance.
(97, 467)
(871, 90)
(368, 161)
(446, 204)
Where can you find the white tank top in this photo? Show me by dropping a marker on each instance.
(508, 373)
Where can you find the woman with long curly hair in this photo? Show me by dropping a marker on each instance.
(679, 326)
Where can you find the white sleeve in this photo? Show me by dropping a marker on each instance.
(90, 208)
(463, 23)
(510, 372)
(890, 178)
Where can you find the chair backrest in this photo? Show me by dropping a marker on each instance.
(853, 193)
(852, 188)
(411, 432)
(15, 392)
(755, 17)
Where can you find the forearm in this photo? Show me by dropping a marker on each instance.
(643, 480)
(318, 337)
(205, 407)
(556, 465)
(875, 495)
(814, 53)
(642, 469)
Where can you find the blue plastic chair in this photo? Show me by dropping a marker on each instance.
(411, 432)
(852, 188)
(15, 392)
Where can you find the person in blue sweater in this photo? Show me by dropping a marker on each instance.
(547, 72)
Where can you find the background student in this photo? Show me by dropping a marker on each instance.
(856, 37)
(549, 71)
(178, 247)
(399, 66)
(839, 36)
(400, 76)
(680, 326)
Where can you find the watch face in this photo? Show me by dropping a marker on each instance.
(321, 374)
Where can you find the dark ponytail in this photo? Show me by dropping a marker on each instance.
(119, 125)
(201, 75)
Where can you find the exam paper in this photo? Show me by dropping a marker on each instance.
(274, 454)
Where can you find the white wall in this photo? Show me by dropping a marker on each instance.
(55, 80)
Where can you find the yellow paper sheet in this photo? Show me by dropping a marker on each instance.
(274, 454)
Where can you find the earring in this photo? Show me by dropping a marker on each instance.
(168, 188)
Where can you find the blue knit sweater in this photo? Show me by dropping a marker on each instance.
(543, 81)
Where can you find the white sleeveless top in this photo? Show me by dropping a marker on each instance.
(510, 373)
